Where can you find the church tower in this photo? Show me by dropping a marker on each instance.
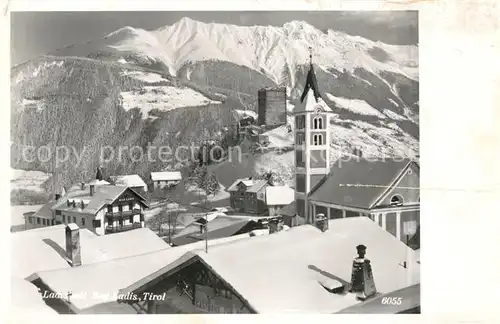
(312, 143)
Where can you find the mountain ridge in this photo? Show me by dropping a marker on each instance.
(128, 96)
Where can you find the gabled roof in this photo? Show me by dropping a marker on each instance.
(218, 227)
(250, 184)
(166, 176)
(279, 195)
(311, 257)
(357, 182)
(130, 180)
(108, 277)
(103, 195)
(46, 210)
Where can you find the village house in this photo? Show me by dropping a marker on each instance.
(248, 196)
(133, 181)
(64, 247)
(278, 197)
(98, 206)
(124, 259)
(338, 264)
(384, 189)
(165, 179)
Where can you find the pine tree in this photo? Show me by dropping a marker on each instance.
(98, 175)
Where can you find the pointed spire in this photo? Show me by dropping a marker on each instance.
(310, 56)
(311, 81)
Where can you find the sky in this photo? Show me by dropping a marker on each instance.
(37, 33)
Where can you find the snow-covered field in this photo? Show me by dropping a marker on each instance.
(28, 180)
(163, 98)
(357, 106)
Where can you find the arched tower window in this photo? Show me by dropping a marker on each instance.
(318, 139)
(396, 200)
(318, 122)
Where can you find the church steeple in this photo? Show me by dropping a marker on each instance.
(311, 81)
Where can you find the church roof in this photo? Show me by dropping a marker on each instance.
(342, 185)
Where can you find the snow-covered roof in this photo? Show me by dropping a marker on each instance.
(166, 176)
(104, 194)
(250, 184)
(130, 180)
(279, 195)
(97, 182)
(44, 248)
(292, 264)
(25, 298)
(107, 278)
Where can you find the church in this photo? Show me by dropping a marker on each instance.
(384, 189)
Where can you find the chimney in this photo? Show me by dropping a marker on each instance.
(322, 222)
(68, 202)
(362, 282)
(275, 225)
(73, 245)
(57, 196)
(92, 190)
(74, 203)
(83, 185)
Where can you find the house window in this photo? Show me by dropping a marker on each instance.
(83, 221)
(141, 218)
(318, 139)
(38, 221)
(300, 122)
(58, 212)
(43, 221)
(74, 219)
(318, 122)
(64, 218)
(131, 219)
(96, 223)
(396, 200)
(120, 221)
(110, 209)
(30, 220)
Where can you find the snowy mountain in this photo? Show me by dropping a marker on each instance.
(273, 51)
(184, 82)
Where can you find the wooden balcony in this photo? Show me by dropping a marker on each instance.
(121, 228)
(121, 214)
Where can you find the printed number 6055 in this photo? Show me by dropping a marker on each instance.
(392, 300)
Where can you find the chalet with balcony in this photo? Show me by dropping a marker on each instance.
(97, 206)
(248, 196)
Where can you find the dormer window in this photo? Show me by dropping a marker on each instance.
(318, 122)
(396, 200)
(318, 139)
